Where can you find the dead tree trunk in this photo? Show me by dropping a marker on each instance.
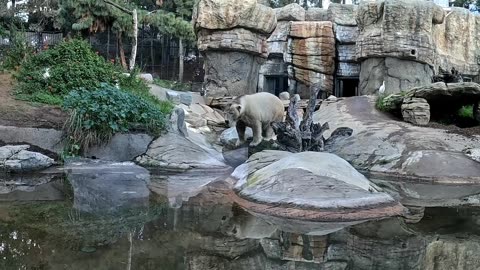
(181, 55)
(296, 136)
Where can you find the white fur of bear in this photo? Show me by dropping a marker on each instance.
(256, 111)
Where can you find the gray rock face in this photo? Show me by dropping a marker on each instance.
(399, 75)
(416, 111)
(122, 147)
(106, 187)
(231, 73)
(16, 158)
(304, 182)
(291, 12)
(179, 97)
(401, 156)
(342, 14)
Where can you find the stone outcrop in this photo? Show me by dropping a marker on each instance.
(222, 15)
(345, 28)
(316, 14)
(236, 39)
(457, 42)
(311, 54)
(293, 192)
(401, 156)
(232, 36)
(396, 34)
(442, 99)
(416, 111)
(290, 12)
(16, 158)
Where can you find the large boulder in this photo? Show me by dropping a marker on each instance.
(16, 158)
(309, 77)
(416, 111)
(322, 192)
(216, 15)
(321, 64)
(395, 44)
(401, 156)
(107, 187)
(122, 147)
(312, 46)
(290, 12)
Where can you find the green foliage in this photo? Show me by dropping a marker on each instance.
(169, 23)
(18, 50)
(466, 112)
(72, 64)
(41, 97)
(97, 114)
(173, 85)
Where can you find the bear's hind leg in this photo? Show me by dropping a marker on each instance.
(257, 133)
(241, 127)
(269, 133)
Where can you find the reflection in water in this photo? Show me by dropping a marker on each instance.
(200, 228)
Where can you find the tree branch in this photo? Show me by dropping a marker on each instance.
(119, 7)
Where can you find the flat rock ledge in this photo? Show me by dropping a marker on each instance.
(320, 192)
(419, 166)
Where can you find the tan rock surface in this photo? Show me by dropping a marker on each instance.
(323, 64)
(312, 46)
(237, 39)
(311, 29)
(309, 77)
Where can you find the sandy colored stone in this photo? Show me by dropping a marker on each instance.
(237, 39)
(280, 33)
(458, 49)
(311, 29)
(219, 14)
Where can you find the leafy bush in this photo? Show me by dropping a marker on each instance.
(97, 114)
(173, 85)
(466, 112)
(18, 50)
(71, 64)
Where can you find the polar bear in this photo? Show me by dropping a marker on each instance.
(256, 111)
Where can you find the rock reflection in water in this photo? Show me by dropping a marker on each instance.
(208, 231)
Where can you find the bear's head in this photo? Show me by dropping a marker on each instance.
(232, 114)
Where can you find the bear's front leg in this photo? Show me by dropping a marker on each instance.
(241, 127)
(257, 133)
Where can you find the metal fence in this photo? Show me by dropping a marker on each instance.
(156, 54)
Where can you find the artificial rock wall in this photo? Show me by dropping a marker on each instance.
(400, 42)
(232, 37)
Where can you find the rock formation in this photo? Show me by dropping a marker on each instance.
(396, 44)
(232, 36)
(311, 55)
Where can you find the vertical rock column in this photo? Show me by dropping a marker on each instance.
(395, 44)
(311, 55)
(232, 38)
(345, 28)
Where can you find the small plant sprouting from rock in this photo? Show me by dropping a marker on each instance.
(466, 112)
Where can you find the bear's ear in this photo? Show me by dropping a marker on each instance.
(238, 108)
